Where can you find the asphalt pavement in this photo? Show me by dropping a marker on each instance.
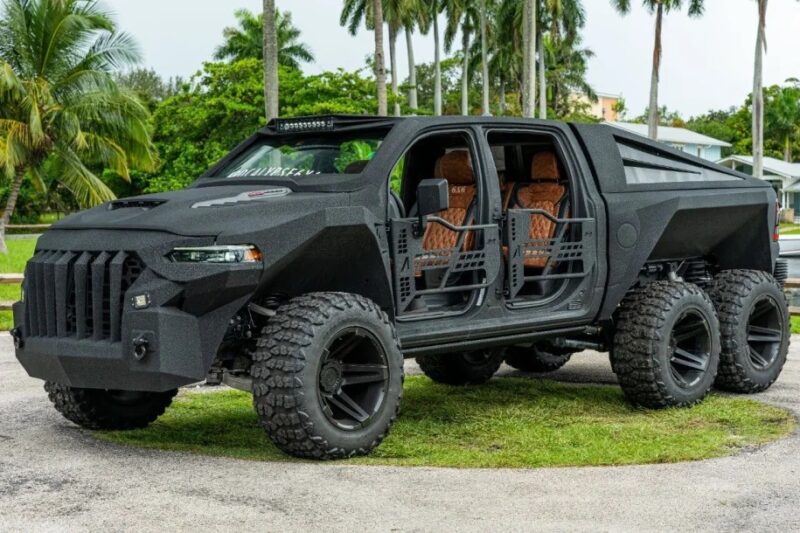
(55, 476)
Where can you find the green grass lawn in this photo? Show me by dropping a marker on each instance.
(789, 229)
(509, 422)
(19, 251)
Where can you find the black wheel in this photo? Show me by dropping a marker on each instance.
(327, 376)
(470, 368)
(755, 329)
(537, 358)
(667, 345)
(108, 409)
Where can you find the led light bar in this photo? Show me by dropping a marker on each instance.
(295, 125)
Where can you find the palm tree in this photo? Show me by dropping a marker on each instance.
(380, 66)
(60, 106)
(246, 40)
(564, 18)
(270, 53)
(758, 91)
(660, 8)
(529, 32)
(428, 19)
(462, 15)
(399, 16)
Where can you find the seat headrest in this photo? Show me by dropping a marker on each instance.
(455, 167)
(545, 167)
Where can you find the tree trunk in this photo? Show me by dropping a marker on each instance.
(465, 71)
(412, 73)
(758, 92)
(437, 67)
(11, 204)
(502, 97)
(271, 88)
(484, 61)
(542, 80)
(652, 119)
(529, 59)
(393, 63)
(380, 64)
(787, 149)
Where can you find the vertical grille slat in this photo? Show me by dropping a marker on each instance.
(98, 286)
(81, 270)
(39, 292)
(62, 285)
(78, 294)
(115, 296)
(50, 293)
(31, 302)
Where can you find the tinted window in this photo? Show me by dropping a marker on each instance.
(304, 156)
(650, 167)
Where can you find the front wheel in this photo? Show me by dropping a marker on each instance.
(755, 327)
(107, 409)
(667, 345)
(327, 376)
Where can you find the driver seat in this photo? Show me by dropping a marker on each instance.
(456, 168)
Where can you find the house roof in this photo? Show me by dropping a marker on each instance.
(671, 135)
(771, 165)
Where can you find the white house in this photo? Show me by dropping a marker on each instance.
(682, 139)
(784, 177)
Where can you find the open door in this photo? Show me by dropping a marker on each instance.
(442, 256)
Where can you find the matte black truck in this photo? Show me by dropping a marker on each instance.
(323, 250)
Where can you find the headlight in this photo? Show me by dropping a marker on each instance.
(217, 254)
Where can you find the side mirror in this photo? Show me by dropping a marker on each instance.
(432, 197)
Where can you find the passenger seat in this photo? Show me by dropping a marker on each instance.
(545, 192)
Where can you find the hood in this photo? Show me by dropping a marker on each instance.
(205, 211)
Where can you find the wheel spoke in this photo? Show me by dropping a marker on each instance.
(689, 360)
(343, 401)
(761, 309)
(758, 358)
(344, 348)
(354, 374)
(762, 334)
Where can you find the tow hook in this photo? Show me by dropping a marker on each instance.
(16, 334)
(141, 347)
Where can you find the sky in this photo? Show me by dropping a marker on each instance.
(707, 62)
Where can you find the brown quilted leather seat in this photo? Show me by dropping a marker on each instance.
(456, 168)
(546, 192)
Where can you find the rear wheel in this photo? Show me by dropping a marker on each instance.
(537, 358)
(755, 327)
(667, 345)
(107, 409)
(470, 368)
(327, 376)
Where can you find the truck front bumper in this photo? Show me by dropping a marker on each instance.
(86, 321)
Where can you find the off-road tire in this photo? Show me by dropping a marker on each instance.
(734, 293)
(641, 356)
(104, 410)
(537, 359)
(472, 368)
(286, 373)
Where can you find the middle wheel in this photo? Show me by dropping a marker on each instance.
(539, 358)
(667, 345)
(469, 368)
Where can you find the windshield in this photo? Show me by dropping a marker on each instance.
(305, 156)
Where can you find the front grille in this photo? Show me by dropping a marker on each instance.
(78, 294)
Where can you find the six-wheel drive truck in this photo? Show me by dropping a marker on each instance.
(307, 264)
